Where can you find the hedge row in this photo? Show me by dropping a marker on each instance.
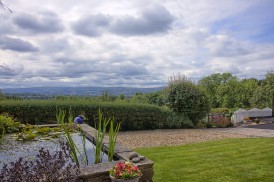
(131, 116)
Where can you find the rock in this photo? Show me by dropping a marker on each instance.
(135, 159)
(132, 155)
(142, 157)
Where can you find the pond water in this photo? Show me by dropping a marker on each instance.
(12, 150)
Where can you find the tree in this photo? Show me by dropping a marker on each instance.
(262, 96)
(246, 90)
(212, 83)
(183, 96)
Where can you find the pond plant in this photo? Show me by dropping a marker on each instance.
(60, 116)
(102, 125)
(113, 133)
(99, 137)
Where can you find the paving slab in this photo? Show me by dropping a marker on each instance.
(253, 132)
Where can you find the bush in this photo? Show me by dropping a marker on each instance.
(8, 125)
(177, 120)
(220, 110)
(131, 116)
(183, 96)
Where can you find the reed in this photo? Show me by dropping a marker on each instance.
(60, 116)
(101, 130)
(70, 117)
(113, 133)
(74, 150)
(84, 145)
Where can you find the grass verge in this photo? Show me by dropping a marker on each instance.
(223, 160)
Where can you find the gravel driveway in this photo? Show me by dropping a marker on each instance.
(169, 137)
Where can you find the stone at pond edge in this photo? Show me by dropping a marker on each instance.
(132, 155)
(135, 159)
(142, 157)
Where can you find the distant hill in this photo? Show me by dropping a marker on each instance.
(78, 91)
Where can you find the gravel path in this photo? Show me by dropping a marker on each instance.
(168, 137)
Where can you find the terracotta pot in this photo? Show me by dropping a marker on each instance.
(125, 180)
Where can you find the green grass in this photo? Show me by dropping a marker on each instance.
(243, 160)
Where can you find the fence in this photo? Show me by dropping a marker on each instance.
(239, 115)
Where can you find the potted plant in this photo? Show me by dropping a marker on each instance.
(125, 172)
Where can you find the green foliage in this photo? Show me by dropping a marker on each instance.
(220, 110)
(178, 120)
(73, 148)
(131, 116)
(226, 90)
(113, 132)
(183, 96)
(99, 137)
(60, 116)
(262, 96)
(8, 124)
(139, 98)
(70, 117)
(106, 96)
(211, 84)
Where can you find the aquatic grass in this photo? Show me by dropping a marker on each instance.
(112, 138)
(60, 116)
(84, 145)
(70, 117)
(99, 137)
(74, 150)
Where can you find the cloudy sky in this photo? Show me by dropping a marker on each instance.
(136, 43)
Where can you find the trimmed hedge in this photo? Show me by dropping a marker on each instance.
(131, 116)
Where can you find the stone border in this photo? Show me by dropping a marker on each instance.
(100, 172)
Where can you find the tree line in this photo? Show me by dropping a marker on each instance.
(226, 90)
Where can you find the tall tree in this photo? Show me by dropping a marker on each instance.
(262, 96)
(212, 83)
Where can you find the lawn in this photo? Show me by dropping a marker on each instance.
(224, 160)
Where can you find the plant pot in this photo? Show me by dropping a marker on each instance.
(125, 180)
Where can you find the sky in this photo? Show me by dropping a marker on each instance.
(136, 43)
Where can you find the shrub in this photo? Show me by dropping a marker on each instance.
(131, 116)
(220, 110)
(177, 120)
(183, 96)
(8, 124)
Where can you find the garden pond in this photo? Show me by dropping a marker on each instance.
(11, 149)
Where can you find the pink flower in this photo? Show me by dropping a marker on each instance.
(135, 168)
(125, 170)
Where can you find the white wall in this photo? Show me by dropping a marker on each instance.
(239, 115)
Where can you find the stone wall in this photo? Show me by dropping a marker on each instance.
(100, 172)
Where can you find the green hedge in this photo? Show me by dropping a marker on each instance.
(131, 116)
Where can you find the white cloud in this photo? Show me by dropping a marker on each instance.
(133, 43)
